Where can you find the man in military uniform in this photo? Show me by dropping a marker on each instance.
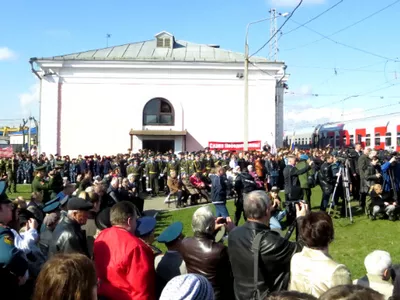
(145, 227)
(171, 263)
(40, 185)
(197, 165)
(58, 182)
(2, 167)
(11, 175)
(152, 173)
(161, 167)
(20, 170)
(190, 165)
(73, 170)
(28, 170)
(182, 164)
(13, 264)
(208, 162)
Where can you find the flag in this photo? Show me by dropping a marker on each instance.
(6, 152)
(292, 146)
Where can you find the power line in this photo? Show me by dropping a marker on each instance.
(338, 95)
(349, 46)
(279, 29)
(313, 19)
(351, 120)
(338, 69)
(375, 108)
(253, 64)
(359, 21)
(343, 29)
(359, 95)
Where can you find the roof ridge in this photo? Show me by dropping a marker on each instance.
(99, 49)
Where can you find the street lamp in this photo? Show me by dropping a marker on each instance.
(246, 80)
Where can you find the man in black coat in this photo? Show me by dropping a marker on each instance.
(275, 252)
(326, 180)
(68, 237)
(293, 190)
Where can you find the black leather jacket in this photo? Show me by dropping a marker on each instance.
(274, 260)
(371, 177)
(204, 256)
(326, 179)
(68, 237)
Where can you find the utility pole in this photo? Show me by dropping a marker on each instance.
(23, 131)
(273, 46)
(29, 134)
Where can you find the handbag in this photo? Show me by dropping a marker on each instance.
(256, 253)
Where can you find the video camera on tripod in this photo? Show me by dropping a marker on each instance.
(344, 176)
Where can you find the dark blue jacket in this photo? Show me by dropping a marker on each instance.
(218, 189)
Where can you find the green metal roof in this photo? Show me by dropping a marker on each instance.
(181, 51)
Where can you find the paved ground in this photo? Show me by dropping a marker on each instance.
(155, 205)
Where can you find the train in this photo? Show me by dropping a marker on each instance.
(379, 133)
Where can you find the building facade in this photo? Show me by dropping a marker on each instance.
(159, 94)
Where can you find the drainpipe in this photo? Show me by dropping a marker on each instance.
(38, 130)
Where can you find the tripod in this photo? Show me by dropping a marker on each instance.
(344, 175)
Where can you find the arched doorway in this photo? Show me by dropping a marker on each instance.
(158, 112)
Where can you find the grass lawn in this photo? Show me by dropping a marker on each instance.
(352, 241)
(23, 190)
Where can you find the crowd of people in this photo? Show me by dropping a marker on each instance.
(84, 235)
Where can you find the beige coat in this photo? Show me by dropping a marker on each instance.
(376, 283)
(314, 272)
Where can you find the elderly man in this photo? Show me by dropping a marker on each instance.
(114, 196)
(274, 251)
(204, 256)
(378, 264)
(68, 237)
(124, 263)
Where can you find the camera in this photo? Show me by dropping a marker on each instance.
(222, 221)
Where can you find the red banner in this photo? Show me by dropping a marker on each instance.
(6, 152)
(238, 146)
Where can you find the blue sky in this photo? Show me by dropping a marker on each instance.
(334, 72)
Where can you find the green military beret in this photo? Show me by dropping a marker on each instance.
(40, 168)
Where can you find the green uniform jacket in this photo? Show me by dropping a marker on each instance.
(152, 169)
(135, 170)
(303, 177)
(39, 185)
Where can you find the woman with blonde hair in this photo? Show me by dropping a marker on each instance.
(381, 203)
(67, 277)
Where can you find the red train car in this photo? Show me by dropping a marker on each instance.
(379, 133)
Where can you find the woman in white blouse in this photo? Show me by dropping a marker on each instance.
(313, 271)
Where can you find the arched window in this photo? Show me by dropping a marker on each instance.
(158, 111)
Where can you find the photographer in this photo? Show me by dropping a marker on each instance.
(326, 181)
(293, 190)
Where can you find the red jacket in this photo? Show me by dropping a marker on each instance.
(124, 266)
(195, 181)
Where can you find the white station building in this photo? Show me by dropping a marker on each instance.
(159, 94)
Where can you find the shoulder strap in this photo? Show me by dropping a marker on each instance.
(256, 253)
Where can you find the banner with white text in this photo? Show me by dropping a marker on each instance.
(234, 146)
